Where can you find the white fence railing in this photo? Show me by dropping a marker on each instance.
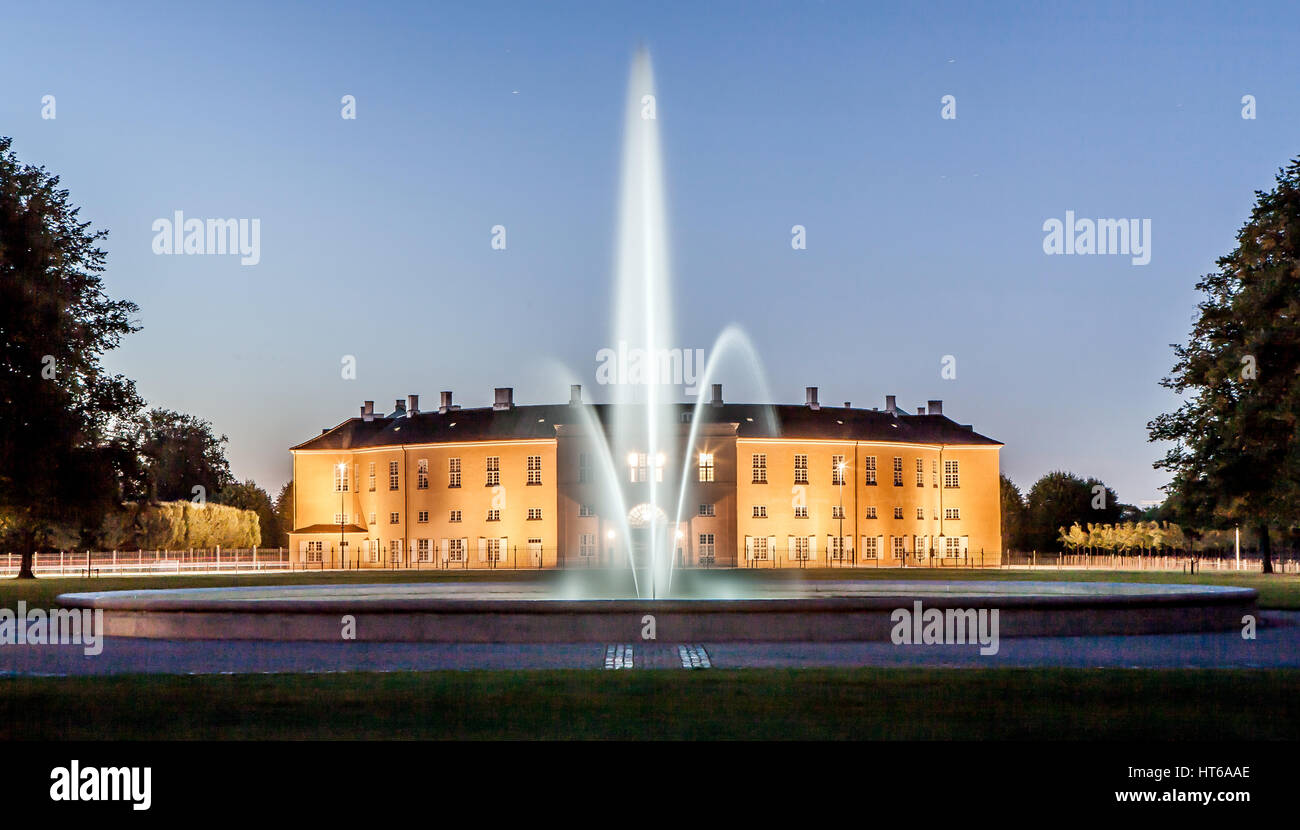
(1283, 563)
(137, 562)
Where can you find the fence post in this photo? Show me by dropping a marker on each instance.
(218, 558)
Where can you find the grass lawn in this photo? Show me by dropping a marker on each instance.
(1280, 591)
(889, 704)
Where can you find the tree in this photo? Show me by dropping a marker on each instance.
(284, 509)
(1013, 515)
(247, 495)
(1060, 499)
(61, 412)
(1236, 447)
(181, 453)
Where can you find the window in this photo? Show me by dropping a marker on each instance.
(586, 511)
(370, 475)
(534, 514)
(534, 469)
(760, 468)
(870, 464)
(315, 551)
(494, 515)
(898, 471)
(422, 516)
(934, 471)
(837, 512)
(372, 546)
(952, 546)
(920, 472)
(951, 477)
(758, 548)
(587, 545)
(453, 472)
(837, 469)
(422, 474)
(897, 544)
(494, 550)
(395, 551)
(638, 466)
(454, 517)
(835, 548)
(584, 468)
(952, 512)
(898, 512)
(871, 512)
(340, 478)
(801, 548)
(706, 510)
(760, 511)
(801, 512)
(920, 512)
(394, 518)
(493, 470)
(870, 548)
(706, 552)
(455, 550)
(535, 551)
(801, 469)
(340, 518)
(394, 478)
(706, 466)
(422, 552)
(372, 518)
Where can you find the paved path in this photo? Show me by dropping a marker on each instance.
(1277, 646)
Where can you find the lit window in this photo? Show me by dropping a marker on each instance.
(493, 470)
(534, 469)
(371, 476)
(706, 510)
(870, 464)
(837, 469)
(801, 512)
(394, 518)
(706, 552)
(871, 512)
(760, 468)
(952, 512)
(454, 516)
(951, 476)
(494, 515)
(453, 472)
(394, 478)
(801, 469)
(340, 478)
(837, 512)
(920, 512)
(706, 466)
(586, 511)
(920, 472)
(422, 516)
(760, 511)
(870, 549)
(534, 514)
(898, 512)
(898, 471)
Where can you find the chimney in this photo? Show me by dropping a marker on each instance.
(936, 407)
(575, 394)
(368, 411)
(848, 404)
(399, 408)
(891, 404)
(717, 395)
(412, 404)
(505, 398)
(445, 406)
(920, 410)
(810, 397)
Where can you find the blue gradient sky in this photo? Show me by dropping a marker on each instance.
(924, 235)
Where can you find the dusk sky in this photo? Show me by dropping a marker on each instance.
(924, 234)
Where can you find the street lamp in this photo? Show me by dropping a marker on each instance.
(343, 469)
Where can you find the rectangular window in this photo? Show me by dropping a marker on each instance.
(422, 551)
(493, 470)
(340, 518)
(455, 550)
(837, 469)
(340, 478)
(372, 518)
(394, 518)
(454, 516)
(394, 478)
(706, 510)
(422, 474)
(706, 466)
(453, 472)
(422, 516)
(837, 512)
(494, 515)
(920, 472)
(586, 545)
(584, 468)
(801, 548)
(898, 471)
(706, 552)
(758, 547)
(870, 548)
(370, 475)
(801, 469)
(920, 512)
(639, 468)
(315, 551)
(534, 514)
(494, 550)
(372, 546)
(951, 477)
(897, 542)
(534, 469)
(835, 548)
(952, 546)
(898, 512)
(870, 463)
(952, 512)
(801, 512)
(871, 512)
(760, 511)
(760, 468)
(586, 511)
(934, 472)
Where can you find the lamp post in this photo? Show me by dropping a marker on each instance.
(343, 469)
(841, 542)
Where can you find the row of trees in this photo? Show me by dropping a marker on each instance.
(78, 449)
(1145, 537)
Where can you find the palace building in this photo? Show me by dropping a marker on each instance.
(531, 486)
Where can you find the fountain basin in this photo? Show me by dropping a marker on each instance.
(821, 611)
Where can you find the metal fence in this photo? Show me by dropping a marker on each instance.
(1284, 562)
(139, 562)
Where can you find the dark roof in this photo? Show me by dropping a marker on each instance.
(328, 528)
(755, 421)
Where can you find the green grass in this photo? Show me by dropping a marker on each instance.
(889, 704)
(1280, 591)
